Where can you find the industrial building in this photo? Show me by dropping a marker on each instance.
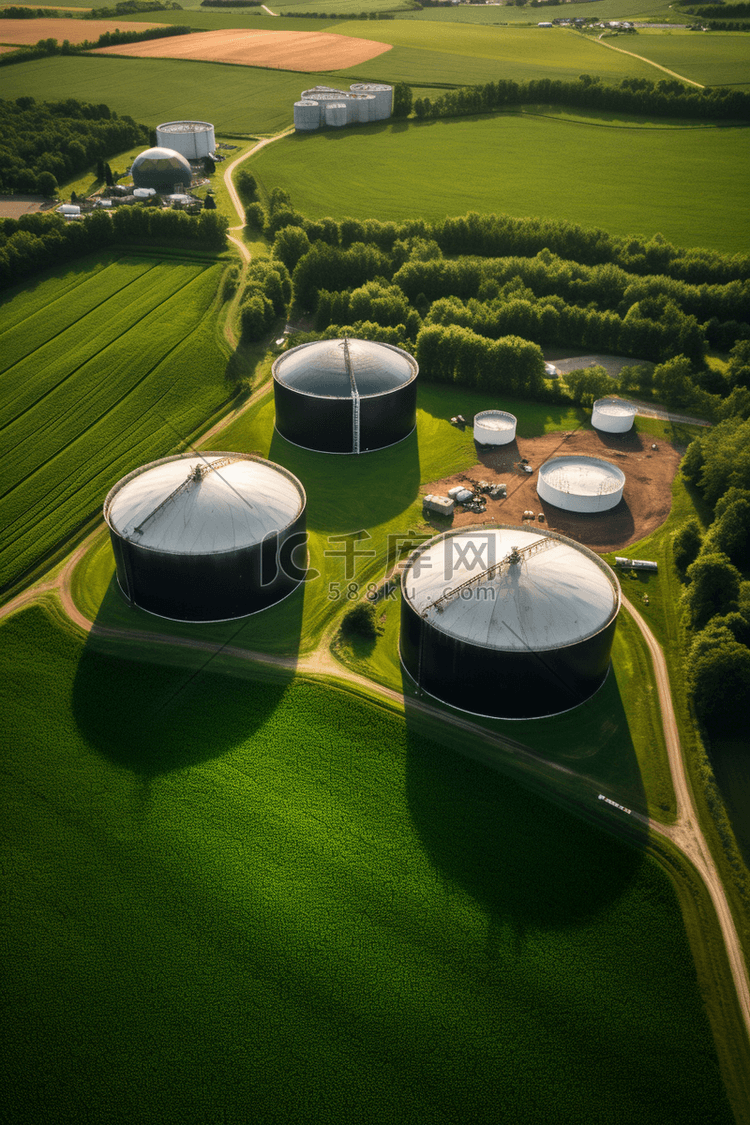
(345, 396)
(192, 139)
(613, 415)
(162, 169)
(510, 622)
(326, 106)
(207, 537)
(581, 484)
(494, 427)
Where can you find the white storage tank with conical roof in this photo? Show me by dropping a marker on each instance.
(494, 427)
(511, 622)
(207, 537)
(383, 95)
(581, 484)
(306, 116)
(613, 415)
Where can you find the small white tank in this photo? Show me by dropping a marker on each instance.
(494, 427)
(581, 484)
(336, 114)
(383, 95)
(365, 107)
(613, 415)
(306, 116)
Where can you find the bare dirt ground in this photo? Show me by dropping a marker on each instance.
(644, 506)
(28, 32)
(284, 50)
(13, 206)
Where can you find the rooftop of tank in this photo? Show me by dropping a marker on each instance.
(320, 368)
(230, 507)
(495, 419)
(582, 475)
(614, 406)
(184, 126)
(555, 597)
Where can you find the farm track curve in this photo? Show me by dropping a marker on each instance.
(650, 62)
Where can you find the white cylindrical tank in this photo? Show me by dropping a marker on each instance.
(69, 209)
(613, 415)
(306, 116)
(336, 114)
(494, 427)
(383, 95)
(192, 139)
(365, 104)
(581, 484)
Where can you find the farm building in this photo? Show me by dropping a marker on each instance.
(192, 139)
(581, 484)
(494, 427)
(511, 622)
(162, 169)
(207, 537)
(324, 105)
(345, 396)
(613, 415)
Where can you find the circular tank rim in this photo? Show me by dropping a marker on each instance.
(183, 457)
(505, 718)
(343, 452)
(479, 527)
(337, 398)
(495, 414)
(204, 125)
(581, 459)
(626, 409)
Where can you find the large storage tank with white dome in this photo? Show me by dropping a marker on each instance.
(192, 139)
(207, 537)
(581, 484)
(510, 622)
(494, 427)
(613, 415)
(345, 395)
(162, 169)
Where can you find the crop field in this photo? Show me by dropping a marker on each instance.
(253, 900)
(509, 13)
(28, 32)
(100, 372)
(626, 179)
(717, 59)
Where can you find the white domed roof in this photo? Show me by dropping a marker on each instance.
(169, 506)
(582, 476)
(617, 407)
(556, 594)
(320, 368)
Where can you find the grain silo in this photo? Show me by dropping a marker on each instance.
(192, 139)
(494, 427)
(306, 116)
(581, 484)
(613, 415)
(336, 114)
(507, 621)
(383, 95)
(345, 396)
(162, 169)
(206, 537)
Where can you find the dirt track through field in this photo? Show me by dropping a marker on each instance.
(283, 50)
(649, 62)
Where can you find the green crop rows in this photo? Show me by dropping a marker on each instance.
(630, 179)
(713, 60)
(112, 371)
(279, 903)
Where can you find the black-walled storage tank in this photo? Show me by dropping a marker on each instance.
(208, 537)
(511, 622)
(345, 396)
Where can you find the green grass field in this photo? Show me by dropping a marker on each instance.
(625, 179)
(284, 904)
(718, 59)
(509, 13)
(111, 363)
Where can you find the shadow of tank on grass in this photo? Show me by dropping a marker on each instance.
(515, 819)
(346, 492)
(157, 696)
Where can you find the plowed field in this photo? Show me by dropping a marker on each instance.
(25, 32)
(284, 50)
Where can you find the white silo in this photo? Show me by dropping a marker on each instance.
(336, 114)
(581, 484)
(306, 116)
(365, 104)
(192, 139)
(383, 95)
(613, 415)
(494, 427)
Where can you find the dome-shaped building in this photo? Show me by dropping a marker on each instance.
(512, 622)
(345, 396)
(207, 537)
(162, 169)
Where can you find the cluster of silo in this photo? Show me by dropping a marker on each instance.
(613, 415)
(506, 621)
(192, 139)
(323, 105)
(345, 396)
(207, 537)
(494, 427)
(581, 484)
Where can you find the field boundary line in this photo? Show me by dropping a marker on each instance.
(642, 58)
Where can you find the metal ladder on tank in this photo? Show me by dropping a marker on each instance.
(355, 396)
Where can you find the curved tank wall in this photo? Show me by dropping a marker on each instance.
(581, 484)
(533, 639)
(336, 114)
(494, 427)
(192, 139)
(306, 116)
(613, 415)
(207, 545)
(383, 95)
